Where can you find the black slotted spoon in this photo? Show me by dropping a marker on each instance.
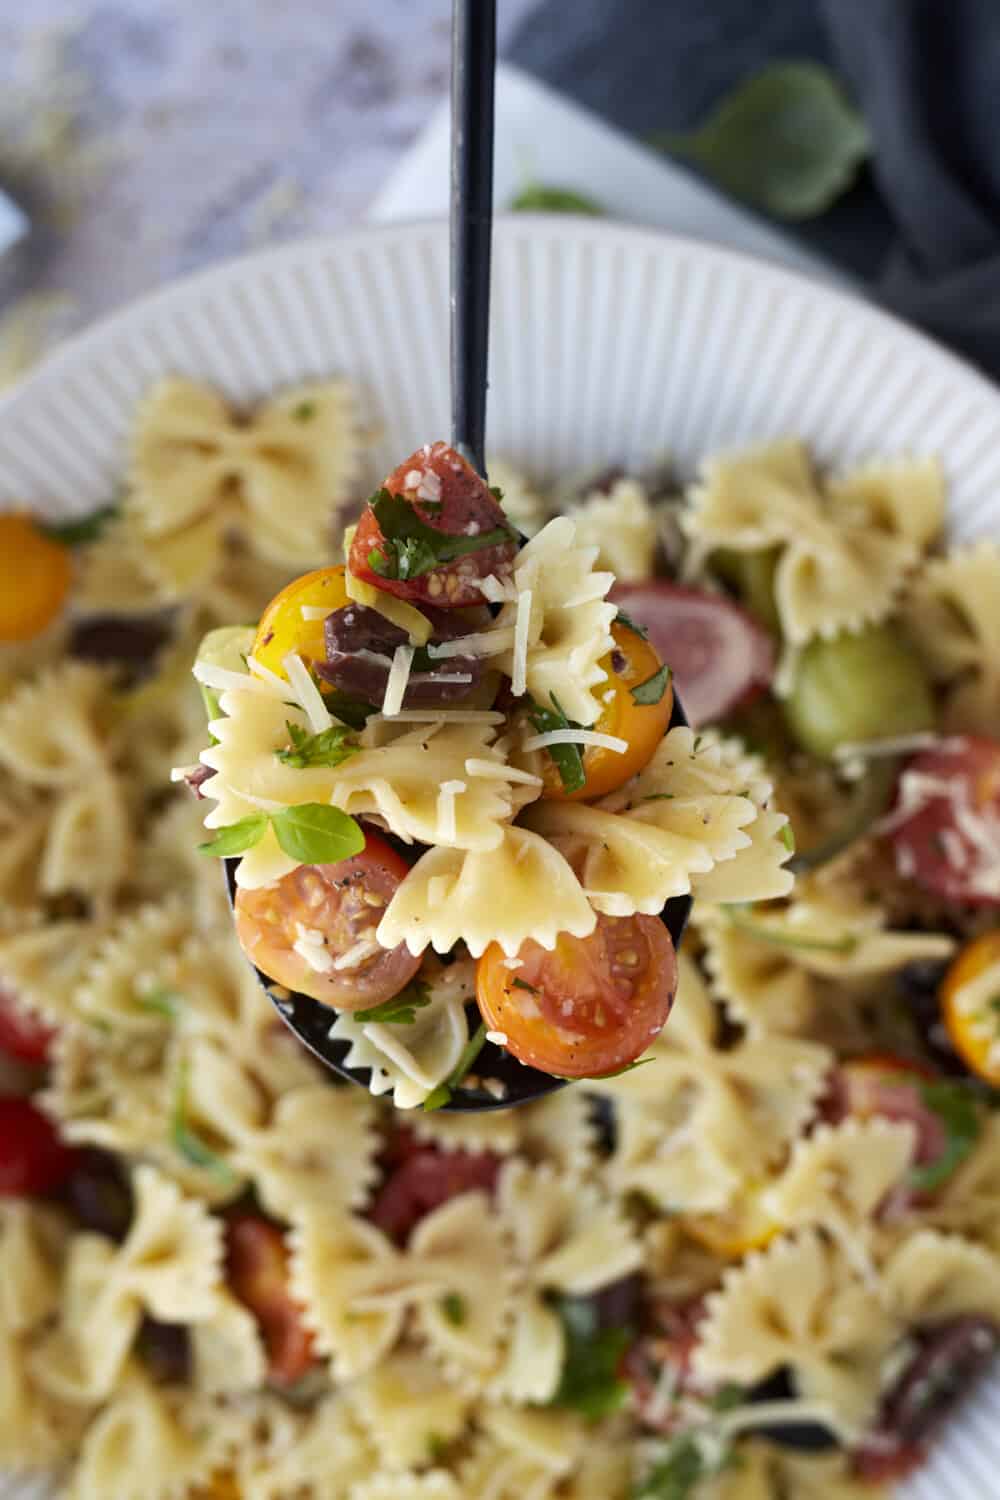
(472, 80)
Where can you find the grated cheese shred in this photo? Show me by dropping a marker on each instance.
(576, 737)
(399, 676)
(306, 693)
(522, 626)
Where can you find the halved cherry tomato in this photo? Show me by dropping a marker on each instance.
(329, 910)
(643, 725)
(744, 1226)
(257, 1274)
(423, 1180)
(970, 1006)
(891, 1087)
(448, 496)
(22, 1034)
(33, 1159)
(721, 657)
(948, 844)
(35, 574)
(590, 1006)
(284, 628)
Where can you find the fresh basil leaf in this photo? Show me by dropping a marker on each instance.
(355, 712)
(955, 1107)
(728, 1397)
(315, 834)
(328, 748)
(786, 140)
(454, 1309)
(305, 411)
(554, 200)
(589, 1382)
(676, 1475)
(621, 618)
(84, 529)
(442, 1094)
(401, 1010)
(186, 1141)
(237, 837)
(653, 689)
(567, 759)
(410, 548)
(765, 934)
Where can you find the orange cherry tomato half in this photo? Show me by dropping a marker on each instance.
(589, 1007)
(970, 1006)
(35, 574)
(341, 904)
(632, 662)
(284, 628)
(257, 1275)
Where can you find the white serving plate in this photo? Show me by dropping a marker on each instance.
(608, 342)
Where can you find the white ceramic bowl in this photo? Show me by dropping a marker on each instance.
(608, 343)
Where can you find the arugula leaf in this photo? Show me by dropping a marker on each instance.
(84, 529)
(590, 1383)
(187, 1141)
(411, 548)
(653, 689)
(317, 835)
(237, 837)
(453, 1307)
(328, 748)
(567, 759)
(535, 198)
(955, 1107)
(786, 140)
(621, 618)
(442, 1094)
(401, 1010)
(765, 934)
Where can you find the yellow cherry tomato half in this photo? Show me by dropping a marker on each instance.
(970, 1006)
(35, 574)
(745, 1226)
(632, 663)
(284, 628)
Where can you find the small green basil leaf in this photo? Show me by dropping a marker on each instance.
(955, 1107)
(554, 200)
(84, 529)
(621, 618)
(328, 748)
(786, 140)
(237, 837)
(186, 1141)
(567, 759)
(442, 1094)
(401, 1010)
(317, 835)
(590, 1383)
(653, 689)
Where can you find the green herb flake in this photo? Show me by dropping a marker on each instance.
(442, 1094)
(304, 411)
(237, 837)
(787, 140)
(437, 1448)
(659, 797)
(621, 618)
(778, 939)
(186, 1141)
(955, 1106)
(653, 689)
(787, 837)
(676, 1475)
(538, 199)
(410, 548)
(522, 984)
(161, 1002)
(401, 1010)
(728, 1397)
(453, 1308)
(567, 759)
(79, 532)
(590, 1383)
(328, 748)
(315, 834)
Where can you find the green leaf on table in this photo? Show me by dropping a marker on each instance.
(83, 529)
(401, 1010)
(653, 689)
(589, 1383)
(538, 199)
(787, 140)
(955, 1106)
(237, 837)
(315, 834)
(328, 748)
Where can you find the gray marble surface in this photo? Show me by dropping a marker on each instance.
(152, 137)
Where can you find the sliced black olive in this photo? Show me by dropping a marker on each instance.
(165, 1350)
(99, 1194)
(130, 643)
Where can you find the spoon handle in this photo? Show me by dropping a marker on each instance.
(473, 64)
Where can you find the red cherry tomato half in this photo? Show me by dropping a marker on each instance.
(22, 1035)
(33, 1159)
(590, 1006)
(257, 1274)
(448, 496)
(721, 657)
(948, 843)
(426, 1178)
(343, 903)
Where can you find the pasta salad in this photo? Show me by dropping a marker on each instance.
(765, 1262)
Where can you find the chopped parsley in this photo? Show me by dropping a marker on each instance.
(955, 1107)
(186, 1141)
(453, 1307)
(409, 548)
(401, 1010)
(621, 618)
(328, 748)
(311, 833)
(590, 1383)
(567, 759)
(84, 529)
(653, 689)
(442, 1094)
(305, 411)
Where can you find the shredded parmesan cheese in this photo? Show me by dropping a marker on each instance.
(522, 626)
(446, 809)
(224, 680)
(576, 737)
(309, 945)
(495, 770)
(512, 963)
(495, 592)
(399, 676)
(266, 675)
(306, 693)
(498, 1038)
(358, 954)
(495, 1087)
(480, 643)
(441, 716)
(181, 773)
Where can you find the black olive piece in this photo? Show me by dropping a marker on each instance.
(620, 1304)
(130, 643)
(805, 1437)
(918, 984)
(99, 1194)
(165, 1350)
(605, 1118)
